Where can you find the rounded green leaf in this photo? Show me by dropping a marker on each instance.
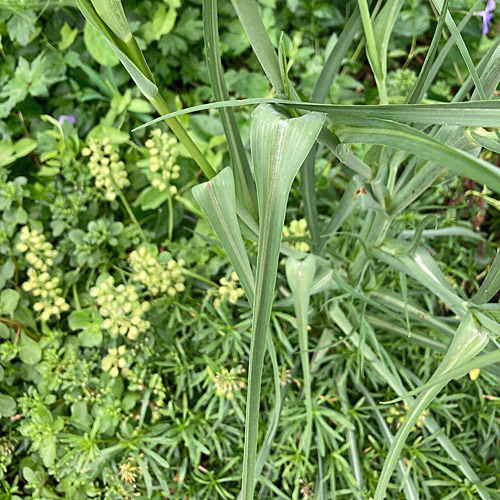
(98, 47)
(4, 331)
(29, 350)
(90, 337)
(8, 301)
(7, 406)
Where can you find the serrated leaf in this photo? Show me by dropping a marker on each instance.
(21, 26)
(32, 78)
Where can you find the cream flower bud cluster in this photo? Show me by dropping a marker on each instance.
(40, 255)
(121, 308)
(297, 229)
(39, 252)
(228, 382)
(115, 362)
(162, 161)
(398, 416)
(154, 275)
(46, 288)
(105, 165)
(229, 290)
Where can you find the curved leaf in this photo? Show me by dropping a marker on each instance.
(279, 146)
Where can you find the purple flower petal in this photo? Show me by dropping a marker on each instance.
(486, 26)
(67, 118)
(486, 15)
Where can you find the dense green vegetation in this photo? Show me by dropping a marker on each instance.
(131, 304)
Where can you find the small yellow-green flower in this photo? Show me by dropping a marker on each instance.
(129, 471)
(105, 165)
(40, 253)
(156, 276)
(162, 167)
(115, 361)
(297, 229)
(121, 308)
(46, 288)
(398, 416)
(228, 382)
(229, 290)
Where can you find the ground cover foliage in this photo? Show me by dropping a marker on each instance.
(347, 254)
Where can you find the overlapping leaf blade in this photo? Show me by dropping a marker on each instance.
(245, 187)
(300, 276)
(279, 146)
(469, 340)
(399, 136)
(218, 200)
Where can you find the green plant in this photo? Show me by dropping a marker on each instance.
(280, 143)
(123, 362)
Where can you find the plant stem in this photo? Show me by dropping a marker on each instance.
(175, 125)
(128, 208)
(13, 322)
(170, 216)
(197, 276)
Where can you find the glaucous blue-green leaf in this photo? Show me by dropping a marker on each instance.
(469, 340)
(300, 277)
(279, 146)
(217, 198)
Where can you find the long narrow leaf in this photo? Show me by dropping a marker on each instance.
(424, 80)
(249, 16)
(467, 114)
(455, 33)
(245, 187)
(399, 136)
(445, 50)
(350, 436)
(376, 362)
(300, 276)
(490, 285)
(344, 208)
(469, 340)
(133, 60)
(218, 200)
(332, 64)
(409, 489)
(279, 146)
(482, 361)
(421, 266)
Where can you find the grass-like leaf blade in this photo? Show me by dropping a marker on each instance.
(279, 146)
